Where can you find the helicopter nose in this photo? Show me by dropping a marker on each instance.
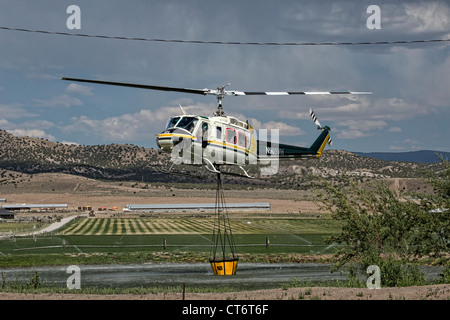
(165, 142)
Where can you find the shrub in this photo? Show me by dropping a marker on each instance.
(380, 228)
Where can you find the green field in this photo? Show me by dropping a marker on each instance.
(133, 236)
(178, 226)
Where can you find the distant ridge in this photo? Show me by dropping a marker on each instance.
(22, 157)
(422, 156)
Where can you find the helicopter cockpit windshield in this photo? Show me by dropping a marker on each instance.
(172, 122)
(185, 122)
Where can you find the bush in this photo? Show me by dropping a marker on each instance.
(395, 272)
(380, 228)
(374, 223)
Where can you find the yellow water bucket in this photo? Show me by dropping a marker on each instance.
(224, 267)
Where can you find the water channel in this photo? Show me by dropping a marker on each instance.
(249, 276)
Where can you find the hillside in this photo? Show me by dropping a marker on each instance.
(422, 156)
(129, 162)
(115, 161)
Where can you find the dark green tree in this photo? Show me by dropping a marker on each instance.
(380, 227)
(433, 231)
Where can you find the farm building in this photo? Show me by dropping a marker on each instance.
(28, 207)
(5, 214)
(190, 207)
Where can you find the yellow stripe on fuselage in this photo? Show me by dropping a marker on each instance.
(163, 135)
(220, 143)
(319, 153)
(231, 146)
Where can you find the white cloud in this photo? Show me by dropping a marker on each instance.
(5, 124)
(430, 16)
(395, 129)
(363, 125)
(34, 128)
(36, 133)
(64, 100)
(141, 125)
(14, 111)
(33, 124)
(70, 143)
(284, 129)
(79, 89)
(41, 76)
(396, 148)
(406, 144)
(409, 81)
(352, 134)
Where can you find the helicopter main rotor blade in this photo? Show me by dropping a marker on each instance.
(220, 92)
(287, 93)
(142, 86)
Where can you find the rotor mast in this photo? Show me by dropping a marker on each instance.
(220, 93)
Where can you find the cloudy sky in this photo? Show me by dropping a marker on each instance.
(408, 110)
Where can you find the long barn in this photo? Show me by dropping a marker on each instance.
(34, 206)
(189, 207)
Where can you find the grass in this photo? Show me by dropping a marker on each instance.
(88, 241)
(136, 226)
(35, 286)
(107, 240)
(19, 227)
(54, 250)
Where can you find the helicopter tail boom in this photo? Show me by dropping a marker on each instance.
(285, 151)
(268, 150)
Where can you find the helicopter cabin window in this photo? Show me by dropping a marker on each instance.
(219, 133)
(231, 136)
(242, 139)
(205, 130)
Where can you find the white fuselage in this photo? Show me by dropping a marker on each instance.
(209, 140)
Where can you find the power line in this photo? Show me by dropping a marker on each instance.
(227, 42)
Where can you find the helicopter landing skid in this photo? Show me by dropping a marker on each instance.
(215, 169)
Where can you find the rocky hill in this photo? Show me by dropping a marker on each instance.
(115, 161)
(130, 162)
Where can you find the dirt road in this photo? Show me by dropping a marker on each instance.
(432, 292)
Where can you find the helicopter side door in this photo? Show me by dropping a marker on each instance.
(202, 134)
(242, 155)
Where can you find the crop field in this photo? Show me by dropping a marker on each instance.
(148, 226)
(99, 235)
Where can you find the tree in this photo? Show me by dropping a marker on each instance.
(433, 231)
(379, 227)
(374, 222)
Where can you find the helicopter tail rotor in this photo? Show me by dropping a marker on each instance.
(314, 118)
(319, 126)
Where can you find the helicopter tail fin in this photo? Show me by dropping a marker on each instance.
(320, 143)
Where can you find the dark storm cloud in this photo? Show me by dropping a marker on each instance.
(408, 81)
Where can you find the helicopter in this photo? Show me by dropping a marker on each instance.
(219, 139)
